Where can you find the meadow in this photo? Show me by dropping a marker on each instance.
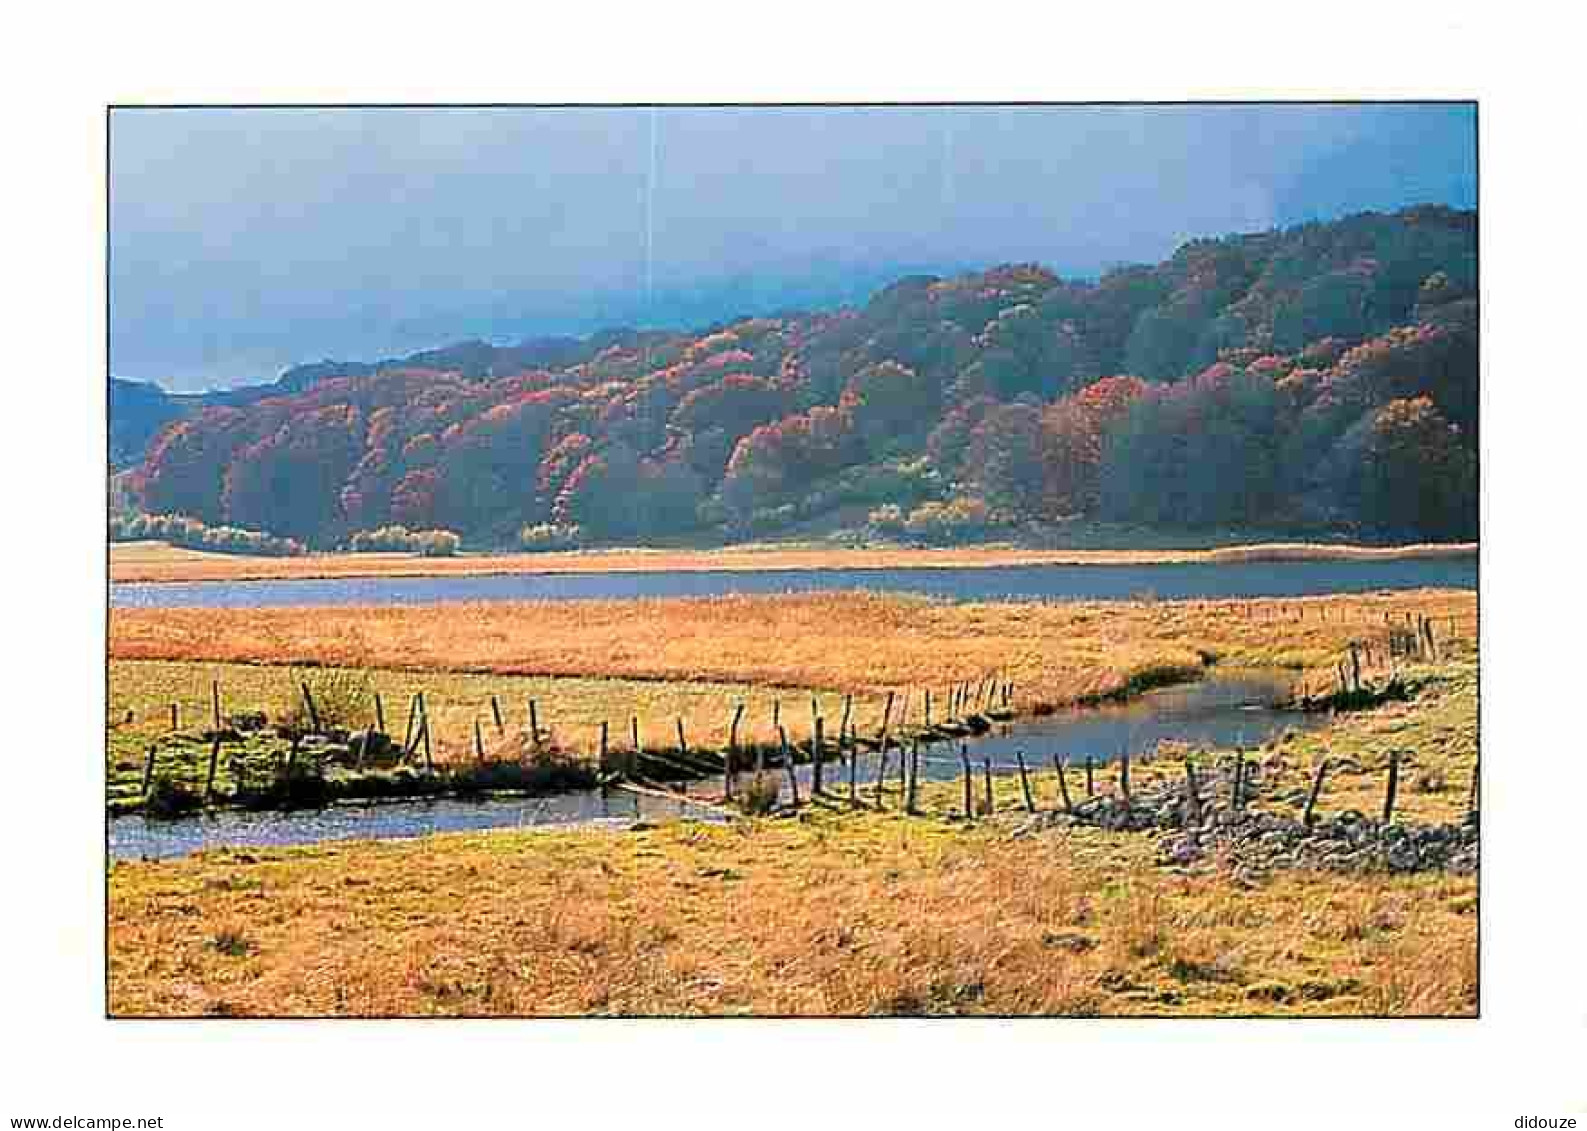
(835, 910)
(867, 644)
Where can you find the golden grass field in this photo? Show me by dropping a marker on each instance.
(838, 911)
(157, 561)
(862, 643)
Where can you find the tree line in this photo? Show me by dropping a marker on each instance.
(1320, 377)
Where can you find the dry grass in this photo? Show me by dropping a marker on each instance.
(835, 914)
(157, 561)
(570, 711)
(865, 643)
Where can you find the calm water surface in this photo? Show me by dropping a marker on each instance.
(1232, 709)
(1198, 580)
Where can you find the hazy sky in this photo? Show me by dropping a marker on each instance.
(246, 241)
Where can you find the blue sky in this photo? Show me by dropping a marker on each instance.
(246, 241)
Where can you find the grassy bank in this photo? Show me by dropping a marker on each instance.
(154, 561)
(569, 713)
(837, 911)
(853, 642)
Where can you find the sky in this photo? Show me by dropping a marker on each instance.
(243, 241)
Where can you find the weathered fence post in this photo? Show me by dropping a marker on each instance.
(787, 760)
(1063, 784)
(730, 766)
(1316, 791)
(174, 717)
(1393, 786)
(1024, 782)
(928, 706)
(424, 733)
(209, 776)
(1192, 795)
(479, 742)
(986, 766)
(912, 777)
(1091, 788)
(495, 710)
(148, 771)
(308, 701)
(380, 714)
(1237, 786)
(534, 723)
(600, 765)
(818, 758)
(854, 769)
(410, 737)
(969, 795)
(214, 700)
(1124, 774)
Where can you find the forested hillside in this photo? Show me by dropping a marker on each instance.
(1322, 377)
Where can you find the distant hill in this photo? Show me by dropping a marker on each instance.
(1321, 377)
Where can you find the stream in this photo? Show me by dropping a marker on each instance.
(1226, 710)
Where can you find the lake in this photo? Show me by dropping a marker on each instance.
(1170, 581)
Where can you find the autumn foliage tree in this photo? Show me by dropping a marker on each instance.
(1281, 378)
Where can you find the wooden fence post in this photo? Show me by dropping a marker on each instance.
(881, 773)
(174, 717)
(928, 706)
(817, 757)
(380, 714)
(410, 737)
(969, 796)
(214, 699)
(1124, 774)
(1393, 786)
(787, 760)
(1316, 791)
(148, 771)
(424, 733)
(534, 723)
(1237, 787)
(912, 777)
(1192, 795)
(479, 742)
(495, 710)
(308, 701)
(1063, 784)
(1024, 782)
(986, 765)
(843, 723)
(1091, 788)
(730, 767)
(854, 769)
(209, 776)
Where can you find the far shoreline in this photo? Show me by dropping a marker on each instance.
(158, 562)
